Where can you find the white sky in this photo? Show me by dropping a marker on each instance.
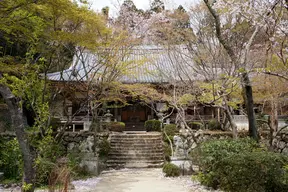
(114, 5)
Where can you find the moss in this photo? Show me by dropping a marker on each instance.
(153, 125)
(115, 126)
(171, 170)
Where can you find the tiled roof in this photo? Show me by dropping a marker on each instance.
(147, 64)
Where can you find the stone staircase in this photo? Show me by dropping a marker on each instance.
(135, 150)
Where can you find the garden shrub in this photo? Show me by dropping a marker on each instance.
(171, 130)
(116, 126)
(104, 148)
(77, 172)
(50, 151)
(171, 170)
(195, 125)
(10, 159)
(167, 151)
(210, 152)
(153, 125)
(213, 125)
(252, 172)
(240, 165)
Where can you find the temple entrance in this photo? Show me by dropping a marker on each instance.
(134, 116)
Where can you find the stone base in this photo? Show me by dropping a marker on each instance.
(184, 164)
(90, 163)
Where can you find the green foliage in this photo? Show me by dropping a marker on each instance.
(27, 187)
(104, 148)
(49, 151)
(153, 125)
(240, 165)
(185, 99)
(213, 125)
(10, 159)
(210, 152)
(116, 126)
(262, 121)
(171, 170)
(171, 130)
(74, 161)
(167, 151)
(251, 172)
(195, 125)
(38, 37)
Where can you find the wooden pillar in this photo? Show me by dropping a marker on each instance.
(73, 127)
(116, 113)
(152, 111)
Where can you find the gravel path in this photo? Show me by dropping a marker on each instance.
(137, 180)
(133, 180)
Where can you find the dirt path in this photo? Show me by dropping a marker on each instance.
(132, 180)
(137, 180)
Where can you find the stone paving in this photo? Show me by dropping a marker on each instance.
(133, 180)
(138, 180)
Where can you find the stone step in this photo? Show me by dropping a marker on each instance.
(135, 144)
(136, 140)
(136, 136)
(146, 152)
(123, 161)
(140, 158)
(136, 147)
(131, 153)
(135, 150)
(134, 165)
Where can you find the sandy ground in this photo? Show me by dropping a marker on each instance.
(133, 180)
(139, 180)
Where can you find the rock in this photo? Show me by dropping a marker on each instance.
(184, 164)
(281, 145)
(18, 188)
(71, 187)
(285, 151)
(13, 185)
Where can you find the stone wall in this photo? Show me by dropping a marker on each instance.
(86, 146)
(190, 141)
(7, 135)
(280, 142)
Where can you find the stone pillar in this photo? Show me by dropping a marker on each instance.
(86, 125)
(89, 160)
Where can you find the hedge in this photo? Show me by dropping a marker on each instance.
(153, 125)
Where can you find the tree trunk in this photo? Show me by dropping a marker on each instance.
(273, 120)
(18, 120)
(253, 133)
(274, 116)
(244, 76)
(230, 118)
